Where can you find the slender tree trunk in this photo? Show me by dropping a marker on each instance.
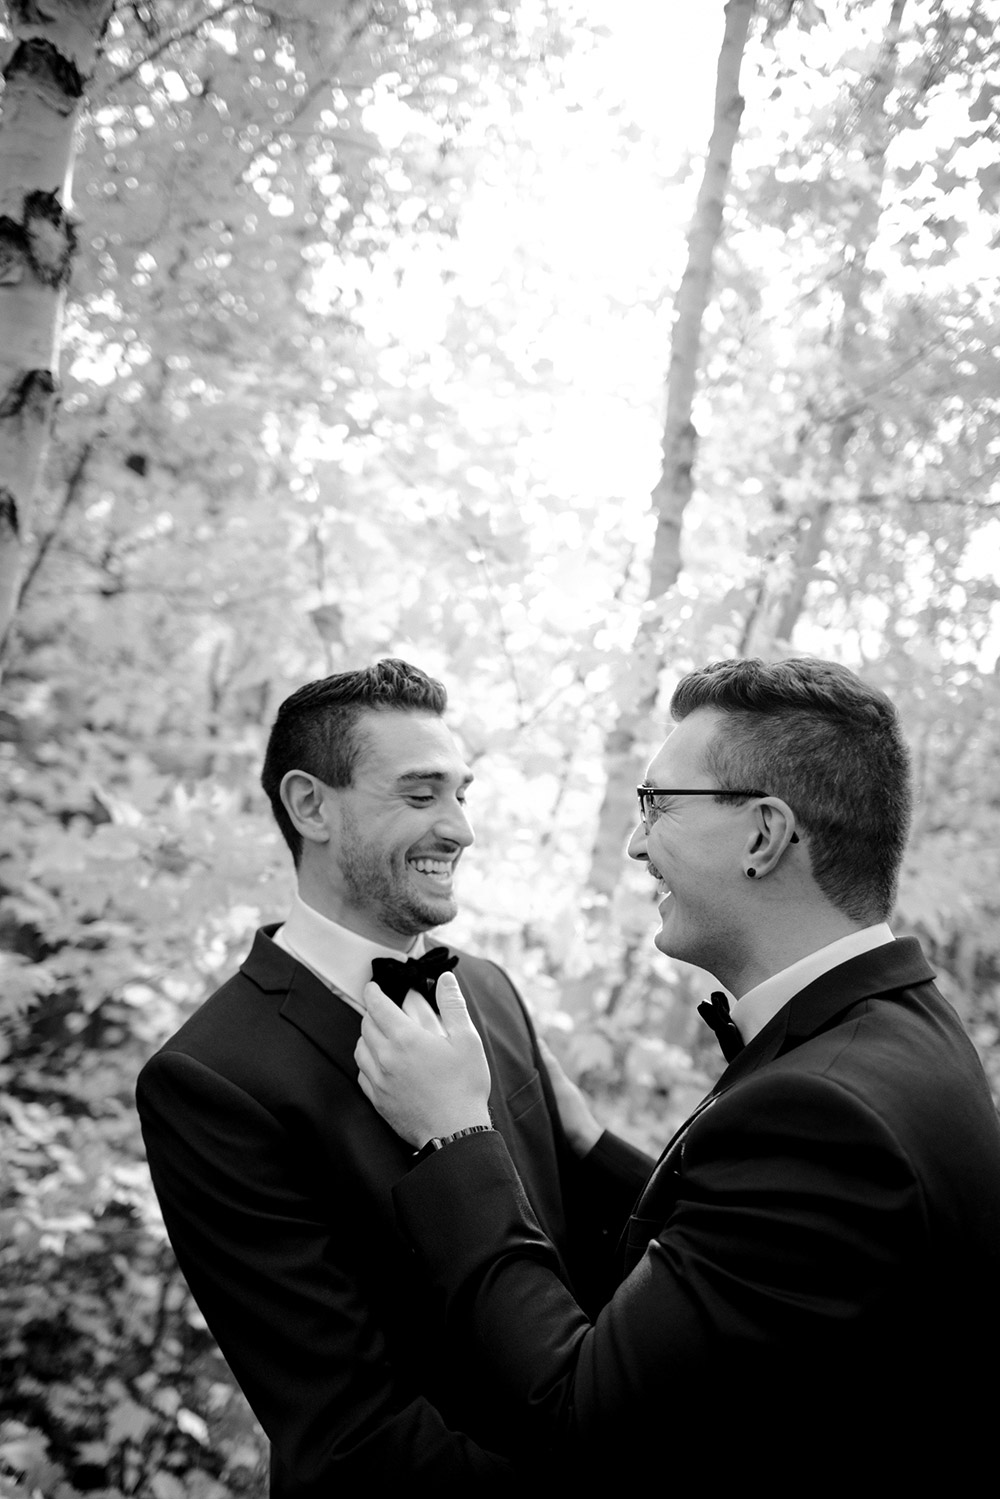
(54, 52)
(674, 487)
(876, 132)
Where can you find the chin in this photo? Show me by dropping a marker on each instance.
(662, 938)
(666, 947)
(424, 918)
(670, 947)
(446, 914)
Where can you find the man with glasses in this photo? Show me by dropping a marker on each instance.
(808, 1291)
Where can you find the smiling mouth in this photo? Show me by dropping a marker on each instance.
(662, 888)
(436, 871)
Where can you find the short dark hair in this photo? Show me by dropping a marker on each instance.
(316, 729)
(831, 746)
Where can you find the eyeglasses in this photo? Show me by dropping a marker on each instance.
(649, 812)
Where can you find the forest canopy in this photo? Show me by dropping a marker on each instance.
(367, 326)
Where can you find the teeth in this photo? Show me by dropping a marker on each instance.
(440, 867)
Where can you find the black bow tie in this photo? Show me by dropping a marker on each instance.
(715, 1013)
(397, 979)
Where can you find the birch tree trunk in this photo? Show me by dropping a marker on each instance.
(863, 227)
(676, 482)
(53, 54)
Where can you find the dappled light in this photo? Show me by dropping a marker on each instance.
(461, 334)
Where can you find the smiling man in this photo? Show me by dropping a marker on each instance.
(808, 1293)
(274, 1173)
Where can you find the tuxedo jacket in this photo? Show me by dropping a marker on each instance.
(274, 1177)
(811, 1274)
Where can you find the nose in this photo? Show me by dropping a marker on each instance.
(454, 826)
(637, 843)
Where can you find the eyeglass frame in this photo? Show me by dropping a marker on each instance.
(642, 792)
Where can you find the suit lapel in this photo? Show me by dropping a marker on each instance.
(658, 1196)
(320, 1012)
(897, 965)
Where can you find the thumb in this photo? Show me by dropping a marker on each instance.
(451, 1005)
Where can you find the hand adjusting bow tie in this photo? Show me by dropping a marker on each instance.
(715, 1013)
(397, 979)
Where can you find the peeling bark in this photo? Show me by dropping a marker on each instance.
(42, 243)
(50, 238)
(29, 396)
(42, 64)
(54, 52)
(9, 521)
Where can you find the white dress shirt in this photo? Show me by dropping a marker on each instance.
(751, 1013)
(343, 960)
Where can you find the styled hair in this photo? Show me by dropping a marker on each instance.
(317, 728)
(831, 746)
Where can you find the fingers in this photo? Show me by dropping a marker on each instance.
(380, 1010)
(368, 1068)
(418, 1009)
(451, 1005)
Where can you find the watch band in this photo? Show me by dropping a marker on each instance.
(438, 1142)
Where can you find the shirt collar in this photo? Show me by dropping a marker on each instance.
(338, 956)
(751, 1013)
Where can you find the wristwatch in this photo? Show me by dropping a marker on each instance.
(438, 1142)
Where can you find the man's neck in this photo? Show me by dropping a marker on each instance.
(779, 946)
(338, 955)
(318, 896)
(756, 1006)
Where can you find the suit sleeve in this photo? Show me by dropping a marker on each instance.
(597, 1191)
(617, 1171)
(790, 1212)
(295, 1328)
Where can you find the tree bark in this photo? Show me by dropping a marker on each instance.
(679, 445)
(863, 227)
(54, 51)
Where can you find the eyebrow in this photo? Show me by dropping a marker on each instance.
(438, 776)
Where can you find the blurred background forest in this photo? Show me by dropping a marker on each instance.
(400, 327)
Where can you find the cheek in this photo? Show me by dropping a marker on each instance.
(665, 850)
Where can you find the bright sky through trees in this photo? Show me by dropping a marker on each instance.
(576, 231)
(579, 229)
(366, 353)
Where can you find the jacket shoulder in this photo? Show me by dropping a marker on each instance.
(237, 1031)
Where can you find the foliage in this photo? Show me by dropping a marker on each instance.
(114, 1384)
(364, 356)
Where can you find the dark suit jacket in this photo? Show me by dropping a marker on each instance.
(812, 1275)
(274, 1176)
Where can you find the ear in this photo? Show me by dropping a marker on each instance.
(773, 831)
(308, 804)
